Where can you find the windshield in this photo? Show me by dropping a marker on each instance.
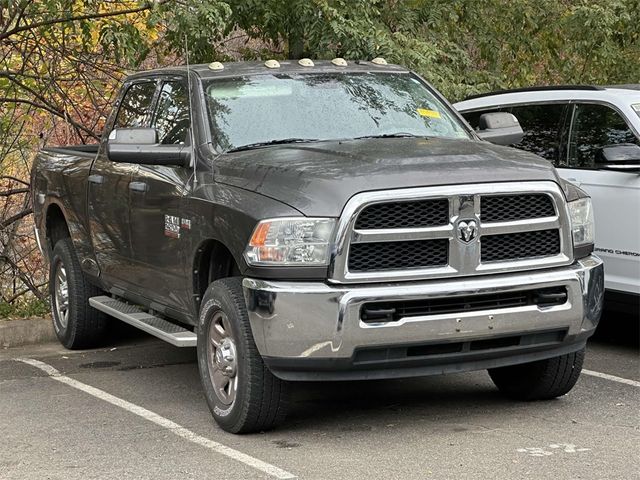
(275, 108)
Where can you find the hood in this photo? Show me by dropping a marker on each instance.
(319, 178)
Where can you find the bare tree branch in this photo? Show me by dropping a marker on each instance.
(50, 110)
(14, 191)
(20, 293)
(23, 277)
(16, 217)
(9, 177)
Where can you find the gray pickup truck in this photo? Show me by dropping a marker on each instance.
(328, 221)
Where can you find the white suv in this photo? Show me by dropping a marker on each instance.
(592, 135)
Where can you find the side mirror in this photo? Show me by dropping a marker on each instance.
(624, 157)
(140, 145)
(501, 128)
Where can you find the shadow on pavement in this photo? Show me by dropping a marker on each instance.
(121, 334)
(616, 328)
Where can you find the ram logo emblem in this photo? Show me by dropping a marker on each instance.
(467, 230)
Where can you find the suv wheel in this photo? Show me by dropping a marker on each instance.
(242, 394)
(541, 380)
(76, 323)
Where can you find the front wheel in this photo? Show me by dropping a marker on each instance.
(242, 394)
(541, 380)
(76, 323)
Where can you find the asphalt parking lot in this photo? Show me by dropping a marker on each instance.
(135, 410)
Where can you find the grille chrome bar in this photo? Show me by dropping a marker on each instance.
(464, 258)
(391, 234)
(517, 226)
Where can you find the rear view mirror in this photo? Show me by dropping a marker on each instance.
(140, 145)
(501, 128)
(624, 157)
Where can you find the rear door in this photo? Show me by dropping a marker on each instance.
(615, 195)
(157, 193)
(108, 190)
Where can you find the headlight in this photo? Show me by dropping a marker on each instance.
(291, 241)
(581, 216)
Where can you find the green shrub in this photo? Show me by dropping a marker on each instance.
(24, 308)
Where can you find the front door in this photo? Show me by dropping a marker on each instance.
(615, 195)
(108, 191)
(157, 193)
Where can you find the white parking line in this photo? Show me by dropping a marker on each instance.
(161, 421)
(613, 378)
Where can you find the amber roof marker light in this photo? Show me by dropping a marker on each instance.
(216, 66)
(272, 63)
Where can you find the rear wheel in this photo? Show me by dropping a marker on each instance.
(541, 380)
(242, 394)
(76, 323)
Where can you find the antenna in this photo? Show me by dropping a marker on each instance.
(191, 136)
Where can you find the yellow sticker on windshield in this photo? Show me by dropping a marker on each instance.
(424, 112)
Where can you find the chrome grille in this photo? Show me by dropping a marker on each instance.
(505, 208)
(515, 246)
(423, 213)
(403, 235)
(366, 257)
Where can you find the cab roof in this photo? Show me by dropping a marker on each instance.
(236, 69)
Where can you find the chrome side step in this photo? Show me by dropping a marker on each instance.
(135, 316)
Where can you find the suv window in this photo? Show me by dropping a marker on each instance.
(136, 105)
(541, 125)
(595, 126)
(172, 114)
(474, 117)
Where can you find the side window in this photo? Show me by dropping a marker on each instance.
(541, 125)
(172, 114)
(595, 126)
(136, 105)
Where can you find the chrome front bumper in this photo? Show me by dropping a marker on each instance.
(299, 322)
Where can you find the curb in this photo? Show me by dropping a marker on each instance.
(14, 333)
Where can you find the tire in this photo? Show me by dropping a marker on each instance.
(76, 323)
(248, 397)
(541, 380)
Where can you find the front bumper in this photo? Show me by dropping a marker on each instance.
(313, 331)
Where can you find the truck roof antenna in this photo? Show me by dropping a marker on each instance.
(191, 136)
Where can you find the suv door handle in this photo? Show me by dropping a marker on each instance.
(138, 186)
(96, 179)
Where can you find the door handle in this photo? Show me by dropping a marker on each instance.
(138, 186)
(96, 179)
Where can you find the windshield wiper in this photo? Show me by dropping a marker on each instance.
(391, 135)
(282, 141)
